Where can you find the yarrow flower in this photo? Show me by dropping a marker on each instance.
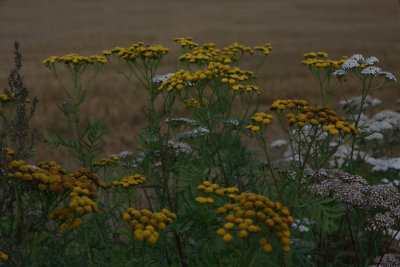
(161, 78)
(387, 260)
(371, 61)
(358, 57)
(371, 71)
(182, 121)
(279, 143)
(353, 104)
(339, 73)
(365, 66)
(350, 64)
(388, 76)
(197, 132)
(353, 191)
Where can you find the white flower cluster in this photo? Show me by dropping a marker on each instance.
(384, 164)
(339, 73)
(391, 117)
(372, 70)
(374, 136)
(371, 61)
(179, 147)
(182, 121)
(279, 143)
(387, 181)
(358, 58)
(303, 225)
(350, 64)
(172, 150)
(388, 76)
(231, 122)
(353, 104)
(383, 122)
(307, 135)
(201, 131)
(162, 78)
(123, 154)
(342, 155)
(388, 260)
(353, 191)
(358, 61)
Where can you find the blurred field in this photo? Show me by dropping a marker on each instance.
(294, 27)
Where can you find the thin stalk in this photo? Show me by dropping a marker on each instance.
(270, 167)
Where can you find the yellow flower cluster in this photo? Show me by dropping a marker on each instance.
(251, 209)
(9, 152)
(208, 53)
(146, 222)
(5, 98)
(192, 103)
(3, 256)
(130, 180)
(226, 74)
(204, 200)
(183, 77)
(320, 60)
(248, 214)
(186, 42)
(138, 50)
(106, 162)
(261, 119)
(303, 114)
(66, 215)
(343, 126)
(288, 104)
(265, 49)
(208, 188)
(47, 175)
(320, 115)
(75, 59)
(85, 179)
(198, 55)
(81, 202)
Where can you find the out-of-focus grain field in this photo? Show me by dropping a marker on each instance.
(47, 27)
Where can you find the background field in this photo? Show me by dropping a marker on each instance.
(48, 27)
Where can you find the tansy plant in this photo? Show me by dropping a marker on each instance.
(322, 68)
(192, 193)
(85, 140)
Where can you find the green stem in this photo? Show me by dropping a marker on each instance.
(88, 249)
(270, 167)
